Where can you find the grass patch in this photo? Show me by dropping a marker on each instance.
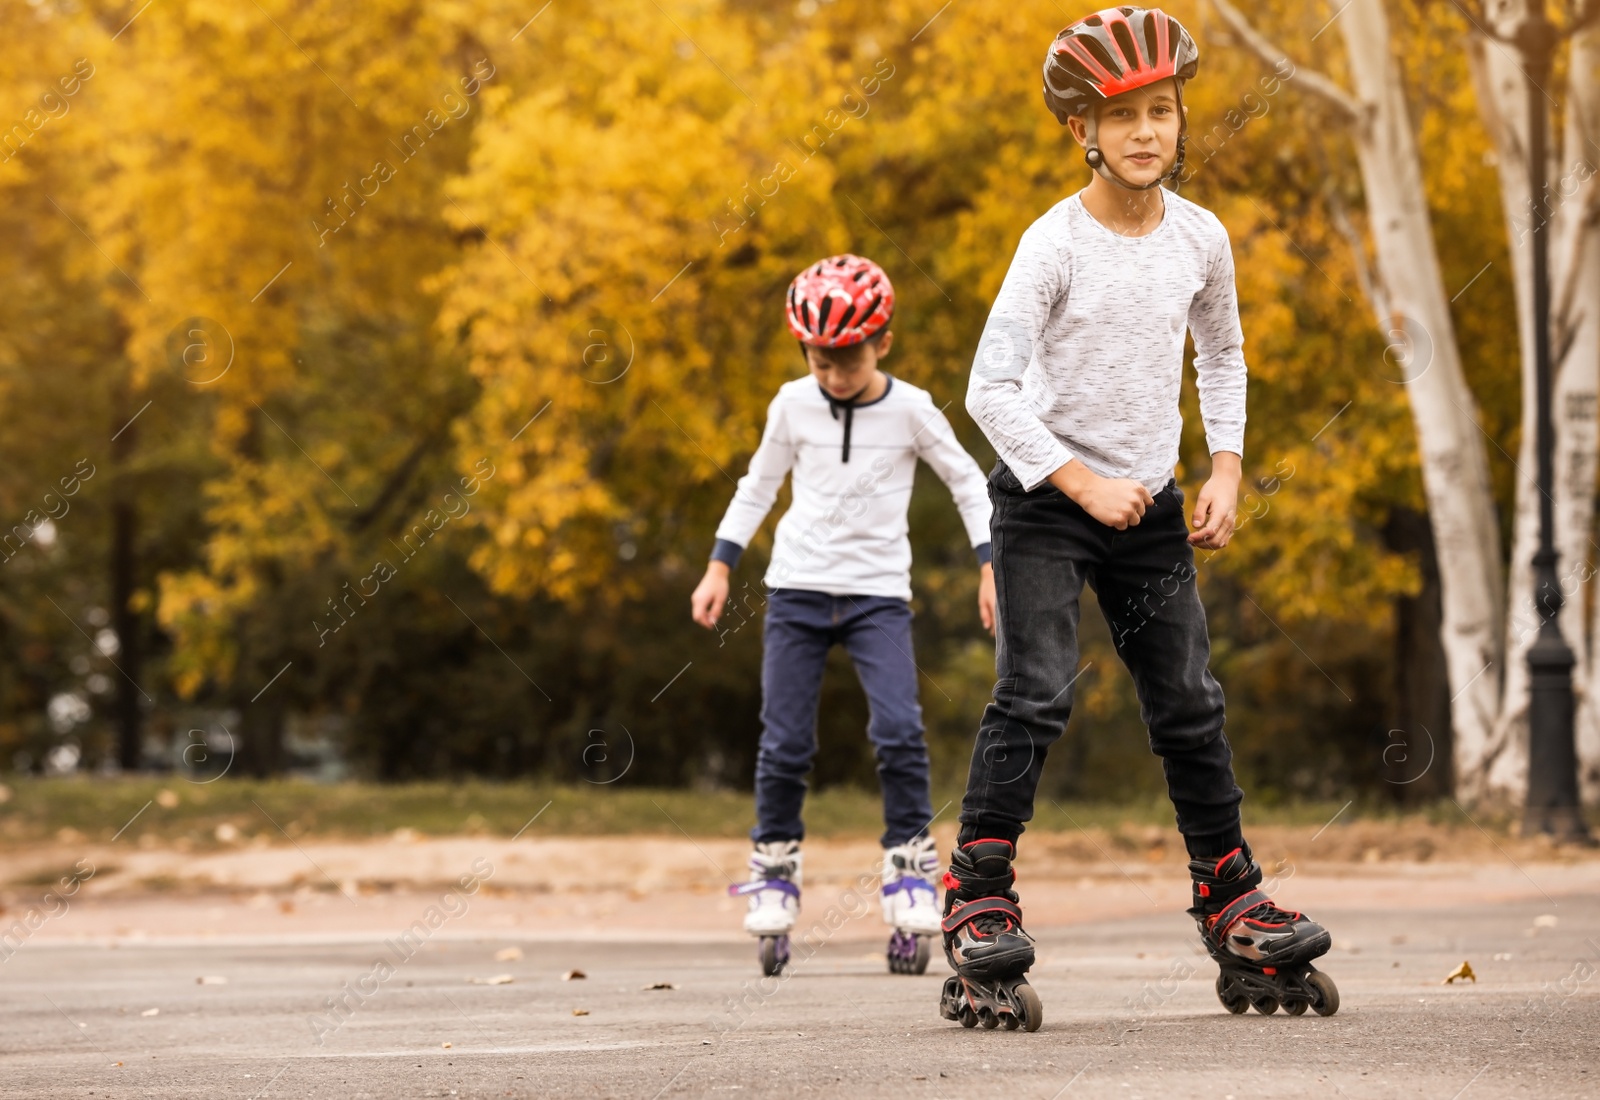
(167, 809)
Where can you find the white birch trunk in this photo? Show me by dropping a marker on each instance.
(1502, 95)
(1455, 470)
(1577, 305)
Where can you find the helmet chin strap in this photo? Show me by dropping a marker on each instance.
(1096, 160)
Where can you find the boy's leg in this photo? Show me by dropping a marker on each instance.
(1044, 546)
(1148, 594)
(795, 638)
(876, 632)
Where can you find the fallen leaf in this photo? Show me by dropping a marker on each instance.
(1502, 956)
(151, 1012)
(166, 799)
(447, 1046)
(573, 975)
(508, 954)
(1545, 920)
(1464, 972)
(498, 979)
(580, 1012)
(211, 979)
(659, 985)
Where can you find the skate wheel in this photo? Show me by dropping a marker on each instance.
(919, 962)
(1265, 1005)
(969, 1018)
(1032, 1008)
(1011, 1022)
(1231, 996)
(774, 953)
(988, 1019)
(1327, 1002)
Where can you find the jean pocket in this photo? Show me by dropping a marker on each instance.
(1003, 479)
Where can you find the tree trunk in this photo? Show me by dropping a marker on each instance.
(123, 563)
(1417, 757)
(260, 740)
(1415, 312)
(125, 622)
(1501, 90)
(1578, 282)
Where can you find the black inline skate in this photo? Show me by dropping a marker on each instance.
(1264, 952)
(984, 942)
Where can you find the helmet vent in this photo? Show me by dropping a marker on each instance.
(1124, 38)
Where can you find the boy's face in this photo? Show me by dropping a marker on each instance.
(844, 372)
(1138, 131)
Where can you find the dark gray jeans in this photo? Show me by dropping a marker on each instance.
(1045, 548)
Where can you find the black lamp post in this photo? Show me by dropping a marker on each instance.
(1552, 805)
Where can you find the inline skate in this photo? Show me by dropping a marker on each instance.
(910, 903)
(774, 893)
(1264, 952)
(984, 942)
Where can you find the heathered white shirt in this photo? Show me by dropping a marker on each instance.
(1083, 353)
(845, 532)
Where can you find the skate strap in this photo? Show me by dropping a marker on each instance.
(908, 885)
(970, 910)
(1237, 909)
(782, 885)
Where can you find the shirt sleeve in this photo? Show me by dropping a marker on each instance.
(758, 488)
(1036, 281)
(938, 446)
(1219, 353)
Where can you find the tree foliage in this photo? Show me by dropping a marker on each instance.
(456, 327)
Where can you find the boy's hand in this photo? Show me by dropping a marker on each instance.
(1216, 509)
(986, 596)
(710, 595)
(1114, 501)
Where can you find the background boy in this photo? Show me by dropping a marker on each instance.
(840, 573)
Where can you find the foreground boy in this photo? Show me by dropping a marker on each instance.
(1076, 384)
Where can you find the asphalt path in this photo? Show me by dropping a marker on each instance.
(1130, 1012)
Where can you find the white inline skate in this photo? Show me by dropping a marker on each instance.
(910, 901)
(774, 893)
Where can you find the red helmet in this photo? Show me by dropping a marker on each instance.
(1114, 51)
(839, 302)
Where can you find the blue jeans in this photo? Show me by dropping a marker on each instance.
(1046, 548)
(875, 631)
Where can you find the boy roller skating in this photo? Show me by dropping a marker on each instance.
(841, 574)
(1076, 383)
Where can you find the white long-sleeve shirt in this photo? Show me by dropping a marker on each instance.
(1083, 353)
(845, 532)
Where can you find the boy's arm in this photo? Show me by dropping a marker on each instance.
(1036, 281)
(752, 500)
(937, 445)
(1220, 371)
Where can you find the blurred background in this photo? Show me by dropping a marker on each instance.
(374, 377)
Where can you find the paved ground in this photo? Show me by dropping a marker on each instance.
(1130, 1013)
